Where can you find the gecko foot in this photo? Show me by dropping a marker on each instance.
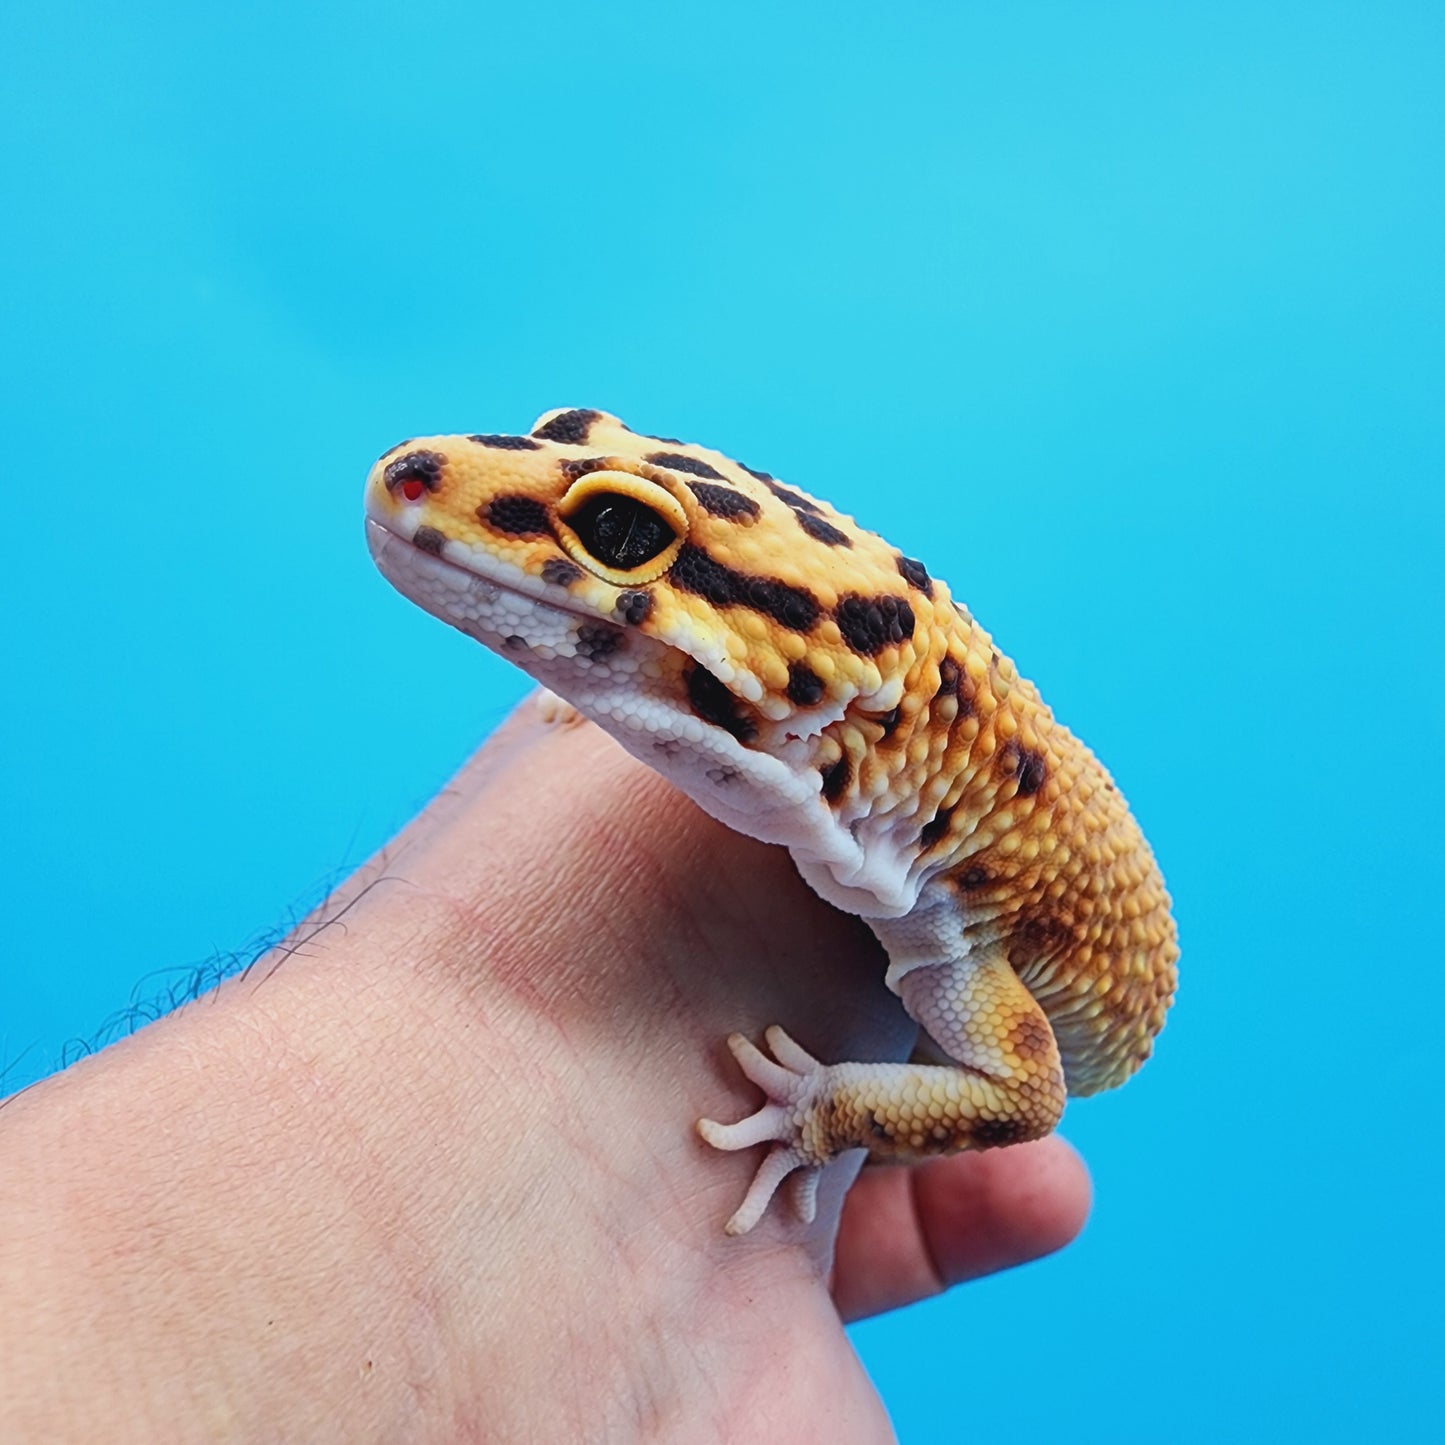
(793, 1085)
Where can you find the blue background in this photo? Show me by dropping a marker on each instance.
(1127, 319)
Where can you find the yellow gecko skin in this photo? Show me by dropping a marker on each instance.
(808, 685)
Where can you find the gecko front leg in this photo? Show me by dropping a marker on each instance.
(1007, 1086)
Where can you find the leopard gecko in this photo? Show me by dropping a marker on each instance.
(808, 684)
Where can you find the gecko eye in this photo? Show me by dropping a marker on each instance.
(413, 489)
(625, 528)
(619, 531)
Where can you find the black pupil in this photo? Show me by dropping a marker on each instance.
(620, 531)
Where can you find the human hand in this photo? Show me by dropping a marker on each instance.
(428, 1170)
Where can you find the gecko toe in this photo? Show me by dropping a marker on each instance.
(792, 1082)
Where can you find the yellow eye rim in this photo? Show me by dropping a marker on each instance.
(647, 494)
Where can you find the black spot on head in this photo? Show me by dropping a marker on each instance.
(1031, 770)
(677, 462)
(598, 640)
(428, 539)
(761, 476)
(516, 516)
(424, 467)
(694, 571)
(936, 827)
(836, 777)
(714, 704)
(974, 876)
(796, 500)
(570, 427)
(581, 466)
(506, 443)
(869, 624)
(671, 441)
(915, 574)
(560, 572)
(822, 531)
(635, 607)
(991, 1133)
(805, 687)
(723, 501)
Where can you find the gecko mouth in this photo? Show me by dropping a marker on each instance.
(427, 577)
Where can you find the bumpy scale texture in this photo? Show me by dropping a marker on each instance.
(809, 685)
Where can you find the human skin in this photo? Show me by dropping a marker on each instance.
(427, 1171)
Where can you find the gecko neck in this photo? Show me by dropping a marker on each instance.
(905, 788)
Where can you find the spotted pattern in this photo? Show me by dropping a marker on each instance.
(805, 687)
(915, 574)
(953, 682)
(723, 586)
(516, 515)
(506, 443)
(714, 704)
(424, 466)
(822, 530)
(599, 640)
(777, 633)
(796, 500)
(635, 607)
(725, 501)
(869, 624)
(677, 462)
(560, 572)
(574, 467)
(1029, 768)
(993, 1133)
(569, 427)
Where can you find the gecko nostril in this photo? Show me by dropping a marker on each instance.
(414, 475)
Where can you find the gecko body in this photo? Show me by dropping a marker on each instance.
(808, 684)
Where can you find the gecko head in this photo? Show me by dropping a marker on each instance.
(661, 587)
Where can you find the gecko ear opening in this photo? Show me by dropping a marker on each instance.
(621, 526)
